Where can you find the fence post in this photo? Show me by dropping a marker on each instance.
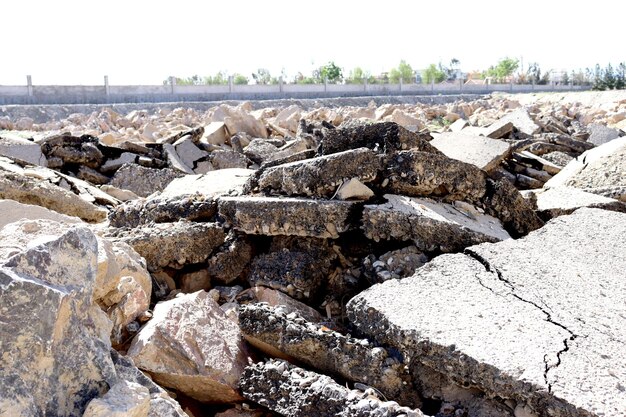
(106, 86)
(29, 85)
(400, 84)
(365, 85)
(432, 86)
(460, 85)
(325, 84)
(230, 83)
(280, 84)
(172, 83)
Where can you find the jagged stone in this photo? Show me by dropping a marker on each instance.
(175, 161)
(601, 170)
(214, 183)
(480, 151)
(227, 159)
(353, 189)
(172, 244)
(395, 264)
(287, 216)
(214, 134)
(381, 137)
(537, 162)
(158, 209)
(54, 340)
(259, 150)
(112, 165)
(229, 260)
(119, 193)
(458, 125)
(92, 176)
(291, 337)
(293, 392)
(543, 339)
(79, 150)
(22, 150)
(431, 225)
(29, 190)
(520, 119)
(600, 134)
(195, 281)
(321, 176)
(189, 153)
(190, 345)
(276, 298)
(143, 181)
(498, 130)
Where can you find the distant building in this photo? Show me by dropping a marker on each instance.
(475, 78)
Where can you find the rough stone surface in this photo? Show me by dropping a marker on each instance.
(224, 181)
(21, 150)
(600, 134)
(294, 392)
(498, 130)
(287, 216)
(320, 177)
(276, 298)
(54, 341)
(521, 121)
(29, 190)
(188, 152)
(124, 399)
(13, 211)
(227, 159)
(601, 170)
(505, 318)
(229, 260)
(192, 207)
(292, 337)
(559, 201)
(483, 152)
(143, 181)
(353, 189)
(259, 150)
(173, 244)
(431, 225)
(190, 345)
(381, 137)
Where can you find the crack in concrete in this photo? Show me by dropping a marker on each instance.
(491, 269)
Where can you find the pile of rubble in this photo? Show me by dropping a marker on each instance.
(283, 262)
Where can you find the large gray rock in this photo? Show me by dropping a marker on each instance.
(322, 176)
(22, 150)
(294, 392)
(291, 337)
(483, 152)
(601, 170)
(430, 224)
(287, 216)
(54, 340)
(143, 181)
(600, 134)
(539, 321)
(191, 346)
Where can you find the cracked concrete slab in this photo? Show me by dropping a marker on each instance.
(542, 328)
(481, 151)
(557, 201)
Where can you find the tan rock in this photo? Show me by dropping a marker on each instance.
(190, 346)
(354, 189)
(124, 399)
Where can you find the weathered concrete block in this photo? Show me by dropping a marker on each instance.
(143, 181)
(322, 176)
(430, 224)
(292, 337)
(287, 216)
(559, 201)
(521, 121)
(20, 149)
(382, 137)
(504, 317)
(480, 151)
(295, 392)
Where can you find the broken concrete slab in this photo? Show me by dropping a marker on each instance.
(430, 224)
(601, 170)
(227, 159)
(280, 300)
(29, 190)
(13, 211)
(291, 337)
(559, 201)
(230, 259)
(382, 137)
(293, 392)
(143, 181)
(22, 150)
(537, 162)
(601, 134)
(498, 130)
(520, 119)
(172, 244)
(190, 345)
(214, 183)
(259, 150)
(112, 165)
(214, 134)
(321, 176)
(175, 161)
(458, 125)
(483, 152)
(188, 152)
(540, 330)
(287, 216)
(159, 209)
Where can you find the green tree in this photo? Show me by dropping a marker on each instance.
(608, 77)
(218, 79)
(433, 74)
(503, 69)
(403, 72)
(240, 79)
(535, 76)
(620, 76)
(331, 72)
(598, 77)
(565, 80)
(356, 76)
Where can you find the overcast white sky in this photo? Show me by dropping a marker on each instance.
(143, 42)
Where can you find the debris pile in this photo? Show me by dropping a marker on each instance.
(399, 260)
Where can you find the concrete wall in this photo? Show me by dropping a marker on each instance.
(103, 94)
